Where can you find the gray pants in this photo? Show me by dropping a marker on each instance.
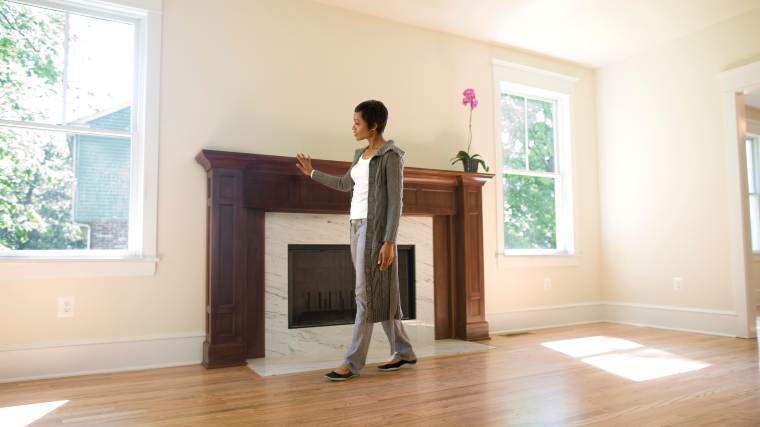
(356, 356)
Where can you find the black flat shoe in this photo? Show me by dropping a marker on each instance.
(334, 376)
(395, 366)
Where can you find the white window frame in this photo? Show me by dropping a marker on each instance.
(559, 88)
(141, 256)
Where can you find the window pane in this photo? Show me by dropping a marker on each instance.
(754, 218)
(31, 63)
(513, 131)
(541, 135)
(753, 156)
(99, 72)
(753, 181)
(529, 212)
(48, 78)
(63, 191)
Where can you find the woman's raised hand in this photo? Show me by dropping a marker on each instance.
(304, 164)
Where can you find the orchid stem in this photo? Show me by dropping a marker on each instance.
(469, 141)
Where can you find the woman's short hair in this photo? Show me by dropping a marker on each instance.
(374, 113)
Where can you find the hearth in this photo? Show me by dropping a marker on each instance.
(321, 285)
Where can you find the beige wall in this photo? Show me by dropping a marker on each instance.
(279, 77)
(662, 168)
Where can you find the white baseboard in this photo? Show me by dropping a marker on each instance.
(526, 319)
(704, 321)
(63, 359)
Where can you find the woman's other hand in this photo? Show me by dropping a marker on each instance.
(387, 254)
(304, 163)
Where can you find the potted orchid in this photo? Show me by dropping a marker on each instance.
(470, 162)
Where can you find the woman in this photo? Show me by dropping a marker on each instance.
(375, 181)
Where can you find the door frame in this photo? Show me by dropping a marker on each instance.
(734, 84)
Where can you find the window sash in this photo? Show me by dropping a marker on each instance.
(86, 8)
(558, 223)
(111, 10)
(753, 187)
(135, 243)
(556, 175)
(66, 129)
(753, 163)
(530, 173)
(555, 131)
(754, 217)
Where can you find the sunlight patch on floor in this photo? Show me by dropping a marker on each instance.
(23, 415)
(645, 364)
(625, 358)
(589, 346)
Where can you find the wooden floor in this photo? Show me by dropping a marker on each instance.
(521, 382)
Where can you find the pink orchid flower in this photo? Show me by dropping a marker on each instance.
(469, 98)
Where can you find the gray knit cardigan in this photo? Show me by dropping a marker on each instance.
(384, 206)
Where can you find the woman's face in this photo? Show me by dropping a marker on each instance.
(359, 128)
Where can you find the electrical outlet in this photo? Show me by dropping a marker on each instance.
(547, 284)
(65, 306)
(677, 283)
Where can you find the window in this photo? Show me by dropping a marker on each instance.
(78, 126)
(753, 178)
(533, 136)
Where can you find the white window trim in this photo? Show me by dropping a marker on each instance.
(141, 258)
(546, 84)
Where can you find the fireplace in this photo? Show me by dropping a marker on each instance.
(243, 187)
(321, 285)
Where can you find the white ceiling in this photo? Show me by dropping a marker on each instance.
(590, 32)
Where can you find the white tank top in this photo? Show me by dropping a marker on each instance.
(360, 175)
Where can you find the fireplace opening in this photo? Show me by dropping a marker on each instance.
(321, 284)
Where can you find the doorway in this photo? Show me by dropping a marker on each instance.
(752, 153)
(741, 105)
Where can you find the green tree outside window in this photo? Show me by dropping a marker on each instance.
(530, 172)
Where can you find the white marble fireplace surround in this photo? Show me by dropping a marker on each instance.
(305, 349)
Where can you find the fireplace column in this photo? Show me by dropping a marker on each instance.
(225, 343)
(469, 255)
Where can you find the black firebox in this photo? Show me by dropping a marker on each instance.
(321, 283)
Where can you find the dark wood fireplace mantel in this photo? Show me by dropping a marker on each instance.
(241, 187)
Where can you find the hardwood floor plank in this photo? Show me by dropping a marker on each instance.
(520, 382)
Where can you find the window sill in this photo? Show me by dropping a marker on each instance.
(755, 257)
(78, 266)
(537, 260)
